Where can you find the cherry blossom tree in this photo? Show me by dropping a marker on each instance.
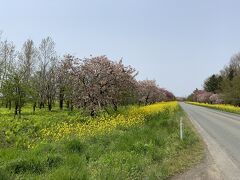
(204, 97)
(216, 99)
(149, 92)
(169, 96)
(100, 82)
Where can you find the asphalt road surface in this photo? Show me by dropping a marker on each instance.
(221, 133)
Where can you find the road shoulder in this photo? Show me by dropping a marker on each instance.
(217, 163)
(207, 168)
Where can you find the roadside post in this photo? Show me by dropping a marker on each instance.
(181, 128)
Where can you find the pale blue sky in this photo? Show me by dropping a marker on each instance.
(177, 42)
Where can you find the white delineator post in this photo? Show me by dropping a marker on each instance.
(181, 128)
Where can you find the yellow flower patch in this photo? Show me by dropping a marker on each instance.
(103, 125)
(222, 107)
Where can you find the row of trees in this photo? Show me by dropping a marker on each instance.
(204, 96)
(37, 75)
(223, 87)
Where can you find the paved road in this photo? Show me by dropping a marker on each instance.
(221, 132)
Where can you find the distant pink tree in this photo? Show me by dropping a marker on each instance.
(196, 93)
(169, 96)
(149, 92)
(216, 99)
(204, 97)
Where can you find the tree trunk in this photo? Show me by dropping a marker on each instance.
(41, 105)
(115, 107)
(19, 111)
(61, 103)
(61, 98)
(16, 109)
(34, 107)
(49, 104)
(68, 104)
(93, 113)
(10, 105)
(139, 103)
(49, 107)
(19, 103)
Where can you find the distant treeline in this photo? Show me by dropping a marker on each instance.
(38, 76)
(223, 87)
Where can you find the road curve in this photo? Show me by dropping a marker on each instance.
(221, 133)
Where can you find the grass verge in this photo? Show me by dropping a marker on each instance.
(151, 150)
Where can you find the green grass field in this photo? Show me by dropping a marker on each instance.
(150, 150)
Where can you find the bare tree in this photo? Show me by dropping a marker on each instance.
(51, 86)
(65, 81)
(47, 64)
(28, 57)
(7, 58)
(27, 62)
(14, 88)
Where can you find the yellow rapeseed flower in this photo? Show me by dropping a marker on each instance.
(103, 125)
(222, 107)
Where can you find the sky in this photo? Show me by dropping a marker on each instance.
(179, 43)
